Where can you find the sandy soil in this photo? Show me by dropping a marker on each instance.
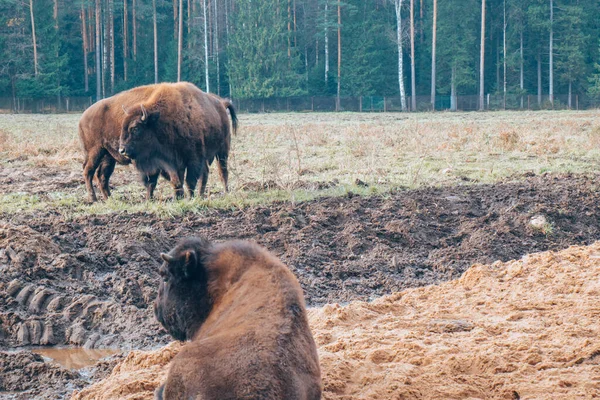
(524, 329)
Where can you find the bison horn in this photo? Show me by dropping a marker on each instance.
(167, 257)
(124, 109)
(144, 113)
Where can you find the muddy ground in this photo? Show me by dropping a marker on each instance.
(89, 281)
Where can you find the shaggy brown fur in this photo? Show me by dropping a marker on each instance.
(244, 312)
(165, 129)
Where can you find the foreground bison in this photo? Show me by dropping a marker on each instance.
(244, 313)
(170, 129)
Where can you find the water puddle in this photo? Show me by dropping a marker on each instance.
(74, 357)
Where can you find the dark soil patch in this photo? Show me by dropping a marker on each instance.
(90, 281)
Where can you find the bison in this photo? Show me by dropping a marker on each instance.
(168, 129)
(244, 312)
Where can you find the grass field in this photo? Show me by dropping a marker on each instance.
(296, 157)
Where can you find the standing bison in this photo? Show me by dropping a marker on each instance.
(244, 312)
(169, 129)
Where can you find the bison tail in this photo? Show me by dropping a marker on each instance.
(234, 120)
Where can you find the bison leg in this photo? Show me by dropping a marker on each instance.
(222, 165)
(105, 170)
(204, 177)
(191, 178)
(91, 163)
(165, 175)
(176, 178)
(149, 182)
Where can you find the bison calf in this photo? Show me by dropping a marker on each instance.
(244, 312)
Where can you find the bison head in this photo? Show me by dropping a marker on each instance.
(183, 302)
(137, 133)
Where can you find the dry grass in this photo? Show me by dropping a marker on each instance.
(290, 151)
(40, 139)
(412, 150)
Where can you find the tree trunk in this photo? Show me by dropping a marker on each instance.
(482, 60)
(85, 49)
(539, 74)
(35, 57)
(175, 26)
(453, 89)
(98, 55)
(125, 39)
(413, 79)
(134, 20)
(551, 75)
(421, 22)
(504, 56)
(217, 48)
(522, 69)
(570, 93)
(55, 14)
(339, 72)
(211, 43)
(105, 50)
(155, 42)
(326, 43)
(497, 61)
(227, 32)
(58, 85)
(289, 35)
(206, 50)
(91, 29)
(433, 46)
(112, 46)
(13, 87)
(179, 40)
(398, 4)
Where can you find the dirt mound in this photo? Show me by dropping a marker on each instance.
(524, 329)
(90, 281)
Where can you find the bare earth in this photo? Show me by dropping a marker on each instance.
(524, 329)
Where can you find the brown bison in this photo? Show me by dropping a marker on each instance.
(244, 312)
(169, 129)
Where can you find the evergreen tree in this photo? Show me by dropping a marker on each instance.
(594, 79)
(571, 60)
(259, 62)
(457, 37)
(370, 46)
